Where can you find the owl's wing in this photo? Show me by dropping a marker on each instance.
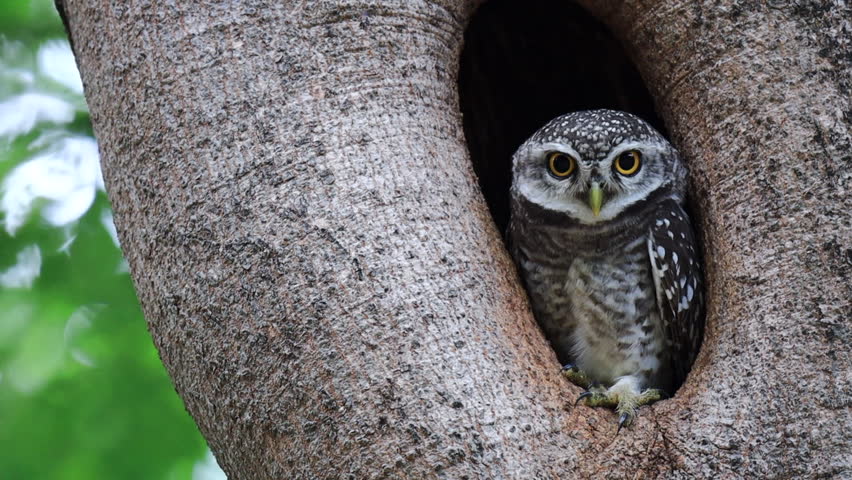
(679, 283)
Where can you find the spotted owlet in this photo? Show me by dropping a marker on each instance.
(608, 256)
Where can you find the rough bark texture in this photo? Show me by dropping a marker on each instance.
(328, 291)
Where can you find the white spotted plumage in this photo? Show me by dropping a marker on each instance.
(618, 293)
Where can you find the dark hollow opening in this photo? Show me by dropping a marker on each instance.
(525, 63)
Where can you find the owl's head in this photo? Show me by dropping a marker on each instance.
(593, 165)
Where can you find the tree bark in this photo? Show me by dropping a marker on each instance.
(328, 291)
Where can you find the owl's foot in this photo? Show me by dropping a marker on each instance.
(576, 376)
(624, 397)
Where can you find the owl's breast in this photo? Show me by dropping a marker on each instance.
(599, 311)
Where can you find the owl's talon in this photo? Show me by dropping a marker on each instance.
(594, 398)
(582, 396)
(624, 420)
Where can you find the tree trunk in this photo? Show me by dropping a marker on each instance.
(328, 291)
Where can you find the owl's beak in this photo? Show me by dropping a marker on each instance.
(595, 198)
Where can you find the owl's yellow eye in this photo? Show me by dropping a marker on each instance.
(628, 163)
(561, 165)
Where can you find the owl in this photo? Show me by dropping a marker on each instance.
(608, 256)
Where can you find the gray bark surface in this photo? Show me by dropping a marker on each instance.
(332, 300)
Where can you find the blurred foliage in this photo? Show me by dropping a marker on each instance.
(30, 19)
(83, 394)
